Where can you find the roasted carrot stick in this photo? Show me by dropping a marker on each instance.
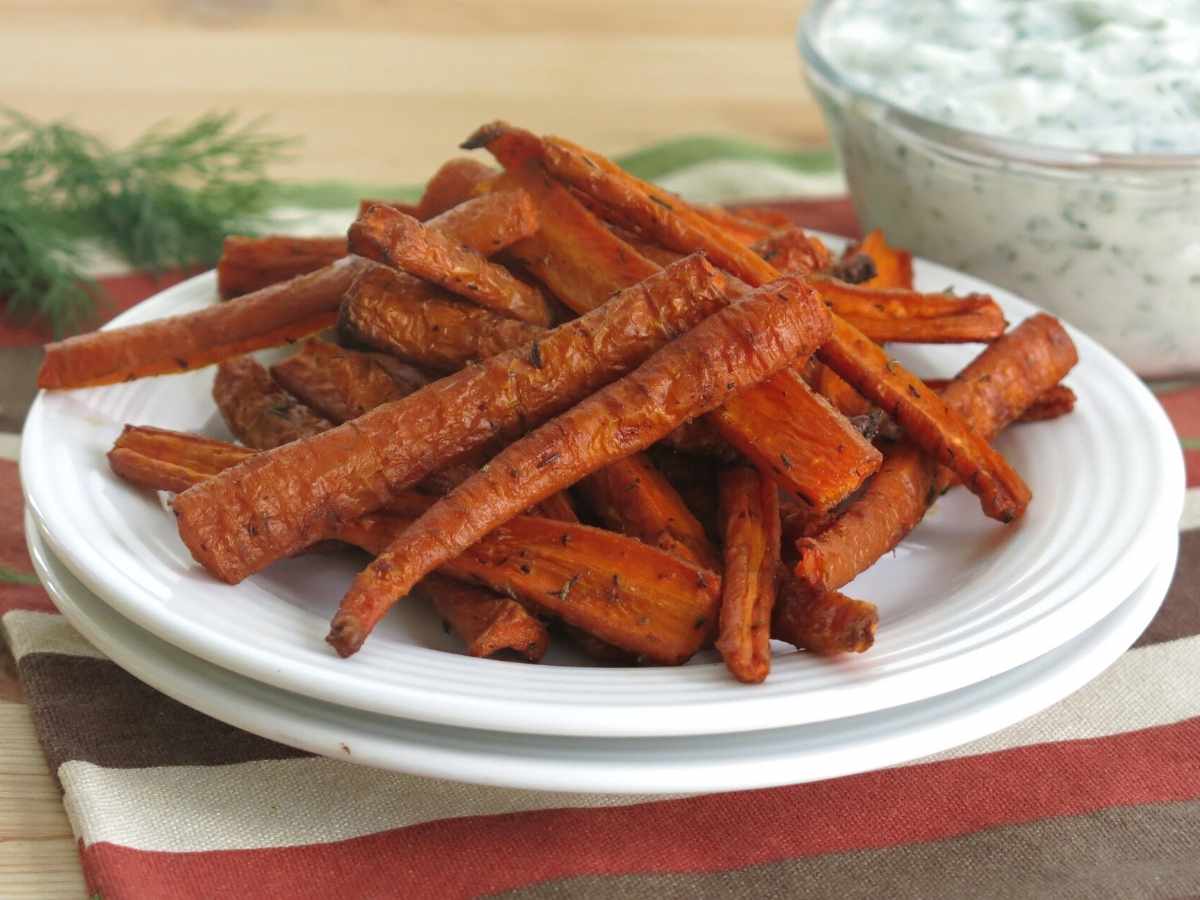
(813, 453)
(421, 324)
(164, 460)
(624, 592)
(409, 209)
(1056, 402)
(258, 412)
(739, 346)
(486, 622)
(573, 254)
(908, 316)
(750, 519)
(844, 398)
(455, 182)
(791, 250)
(850, 353)
(341, 384)
(893, 267)
(765, 419)
(857, 268)
(828, 623)
(988, 394)
(741, 229)
(270, 317)
(632, 497)
(353, 469)
(387, 235)
(250, 263)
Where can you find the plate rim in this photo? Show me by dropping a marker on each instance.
(1006, 699)
(650, 720)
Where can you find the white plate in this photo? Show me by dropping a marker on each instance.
(961, 600)
(698, 764)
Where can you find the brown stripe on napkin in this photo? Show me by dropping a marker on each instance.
(1180, 613)
(91, 710)
(1110, 853)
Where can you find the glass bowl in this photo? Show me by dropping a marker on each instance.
(1109, 242)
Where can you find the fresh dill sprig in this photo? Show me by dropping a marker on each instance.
(167, 200)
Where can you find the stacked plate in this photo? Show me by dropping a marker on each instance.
(981, 625)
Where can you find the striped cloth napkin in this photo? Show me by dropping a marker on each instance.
(1099, 796)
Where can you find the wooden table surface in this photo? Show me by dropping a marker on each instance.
(380, 93)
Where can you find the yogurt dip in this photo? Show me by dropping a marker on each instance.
(1051, 147)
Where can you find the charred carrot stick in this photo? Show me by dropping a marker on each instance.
(409, 209)
(454, 183)
(275, 315)
(387, 235)
(828, 623)
(573, 254)
(353, 469)
(993, 391)
(486, 622)
(341, 384)
(764, 419)
(851, 354)
(421, 324)
(248, 264)
(857, 268)
(908, 316)
(1056, 402)
(164, 460)
(622, 591)
(632, 497)
(260, 413)
(791, 250)
(893, 267)
(815, 454)
(750, 519)
(738, 227)
(739, 346)
(844, 398)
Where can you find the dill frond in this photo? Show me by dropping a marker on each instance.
(167, 200)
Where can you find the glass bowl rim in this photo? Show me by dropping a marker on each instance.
(975, 143)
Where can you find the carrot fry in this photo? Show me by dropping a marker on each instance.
(486, 622)
(354, 468)
(814, 453)
(1057, 401)
(454, 183)
(269, 317)
(557, 507)
(741, 229)
(490, 223)
(250, 263)
(341, 384)
(389, 236)
(844, 398)
(770, 217)
(624, 592)
(574, 253)
(601, 651)
(893, 267)
(258, 412)
(791, 250)
(857, 268)
(988, 394)
(750, 516)
(166, 460)
(421, 324)
(632, 497)
(827, 624)
(409, 209)
(701, 438)
(848, 352)
(741, 345)
(908, 316)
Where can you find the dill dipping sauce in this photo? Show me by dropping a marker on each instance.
(1051, 147)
